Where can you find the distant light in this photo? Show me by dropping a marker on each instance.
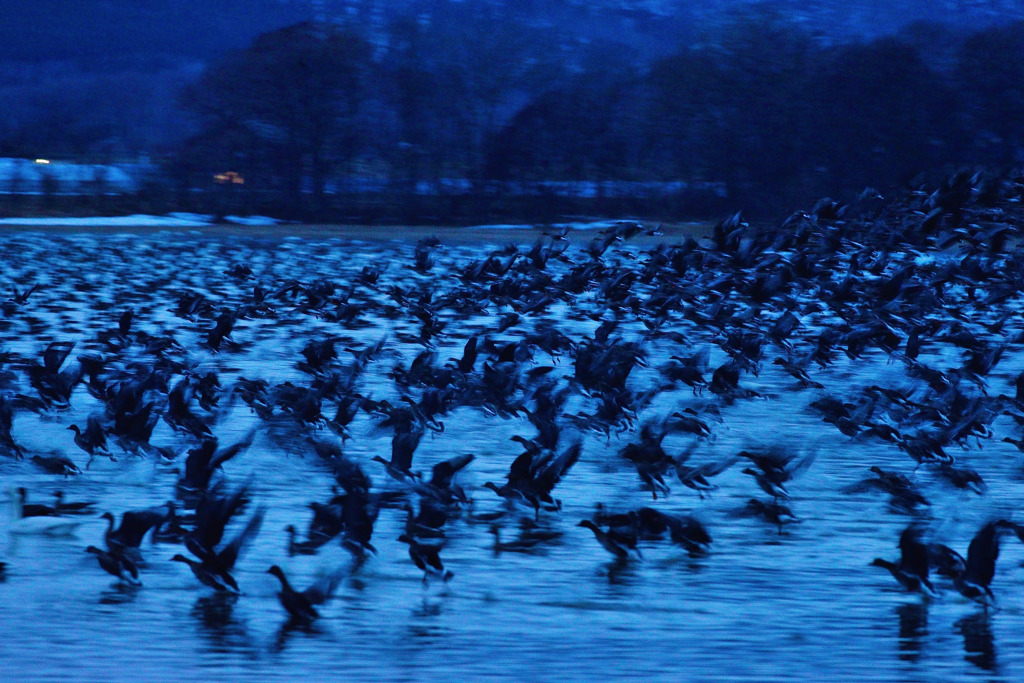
(230, 177)
(42, 161)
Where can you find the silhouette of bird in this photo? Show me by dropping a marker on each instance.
(307, 547)
(689, 532)
(33, 509)
(912, 569)
(904, 495)
(616, 547)
(441, 486)
(529, 541)
(770, 511)
(116, 564)
(301, 605)
(44, 525)
(204, 461)
(532, 477)
(178, 413)
(127, 538)
(774, 469)
(64, 507)
(56, 464)
(215, 561)
(649, 458)
(403, 445)
(426, 554)
(93, 440)
(975, 581)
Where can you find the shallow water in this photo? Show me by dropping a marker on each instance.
(761, 606)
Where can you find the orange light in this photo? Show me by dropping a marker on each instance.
(228, 177)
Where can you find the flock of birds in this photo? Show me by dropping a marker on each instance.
(675, 337)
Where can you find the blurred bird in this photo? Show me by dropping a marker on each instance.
(301, 605)
(912, 569)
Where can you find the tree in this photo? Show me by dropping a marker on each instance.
(729, 110)
(991, 71)
(489, 66)
(879, 116)
(294, 94)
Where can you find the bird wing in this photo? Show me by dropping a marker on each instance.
(913, 552)
(403, 445)
(445, 471)
(556, 468)
(222, 455)
(350, 476)
(95, 434)
(982, 554)
(521, 470)
(710, 469)
(136, 523)
(229, 555)
(323, 588)
(55, 354)
(212, 515)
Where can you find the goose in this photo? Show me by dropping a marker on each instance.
(912, 569)
(33, 509)
(39, 525)
(307, 547)
(531, 478)
(215, 562)
(606, 540)
(426, 554)
(64, 507)
(93, 440)
(56, 464)
(301, 605)
(116, 564)
(980, 568)
(127, 537)
(527, 542)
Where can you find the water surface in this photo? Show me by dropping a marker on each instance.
(761, 606)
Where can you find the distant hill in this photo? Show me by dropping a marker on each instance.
(99, 79)
(108, 32)
(98, 32)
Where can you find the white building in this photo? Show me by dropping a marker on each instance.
(42, 176)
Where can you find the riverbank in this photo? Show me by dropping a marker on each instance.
(653, 233)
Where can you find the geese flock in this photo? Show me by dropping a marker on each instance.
(895, 325)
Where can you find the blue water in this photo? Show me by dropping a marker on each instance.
(761, 606)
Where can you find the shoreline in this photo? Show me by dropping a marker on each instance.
(484, 234)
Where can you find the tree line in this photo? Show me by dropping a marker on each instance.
(483, 122)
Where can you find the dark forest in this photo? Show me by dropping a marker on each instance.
(475, 117)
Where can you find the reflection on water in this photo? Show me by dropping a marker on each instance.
(218, 626)
(621, 573)
(979, 644)
(120, 593)
(913, 618)
(426, 628)
(292, 626)
(427, 609)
